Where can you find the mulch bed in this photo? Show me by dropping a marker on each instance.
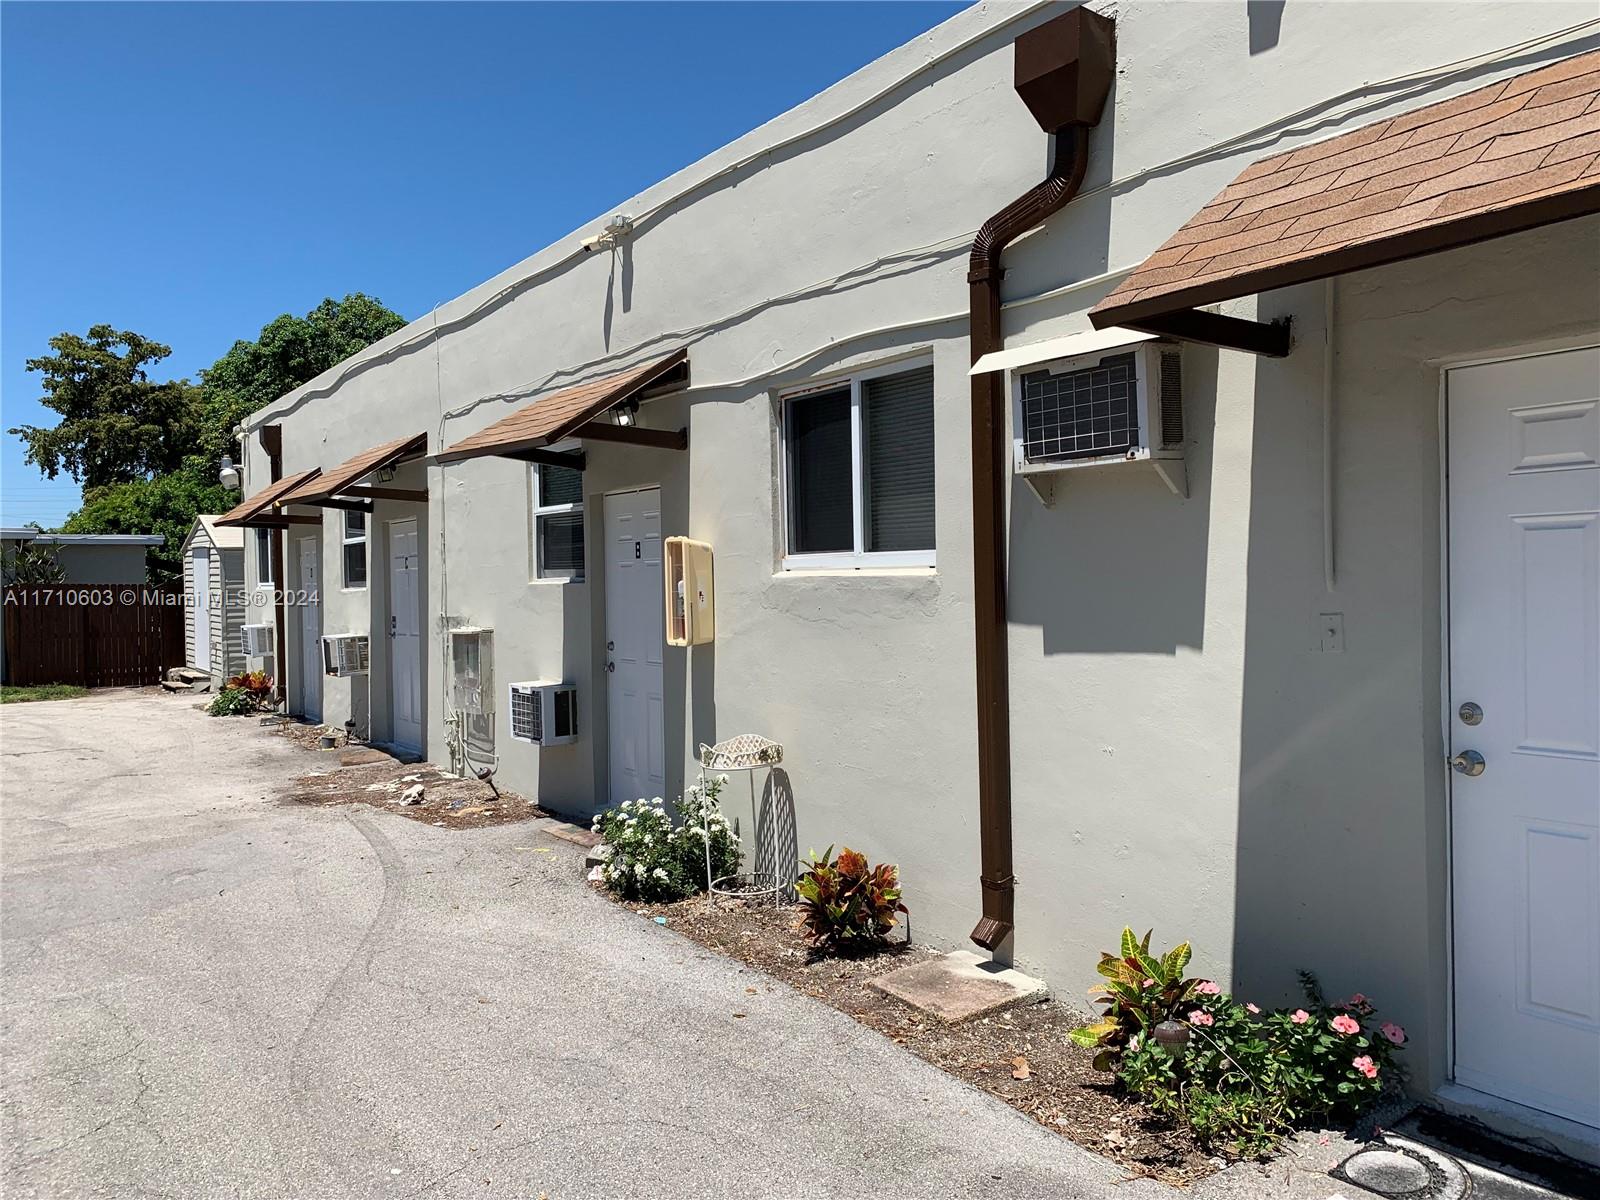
(448, 802)
(1059, 1088)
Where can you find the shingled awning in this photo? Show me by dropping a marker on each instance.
(257, 510)
(1514, 155)
(571, 413)
(322, 487)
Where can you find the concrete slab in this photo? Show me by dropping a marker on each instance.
(959, 986)
(366, 756)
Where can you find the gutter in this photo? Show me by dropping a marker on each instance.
(1064, 70)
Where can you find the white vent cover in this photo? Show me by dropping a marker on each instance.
(345, 654)
(472, 671)
(544, 712)
(258, 640)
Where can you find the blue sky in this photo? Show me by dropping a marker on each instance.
(190, 171)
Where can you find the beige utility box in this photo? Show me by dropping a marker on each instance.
(691, 600)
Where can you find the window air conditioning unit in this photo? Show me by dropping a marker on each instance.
(345, 654)
(1116, 406)
(544, 712)
(691, 601)
(472, 671)
(258, 640)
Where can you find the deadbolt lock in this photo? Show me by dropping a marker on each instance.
(1470, 714)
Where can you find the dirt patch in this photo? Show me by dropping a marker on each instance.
(447, 801)
(1021, 1056)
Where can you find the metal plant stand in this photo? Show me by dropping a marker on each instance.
(749, 752)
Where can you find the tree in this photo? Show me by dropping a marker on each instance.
(166, 505)
(30, 564)
(289, 352)
(116, 424)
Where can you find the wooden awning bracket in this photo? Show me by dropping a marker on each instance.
(633, 435)
(358, 491)
(1228, 333)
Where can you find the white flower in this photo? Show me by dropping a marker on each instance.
(638, 870)
(659, 874)
(603, 852)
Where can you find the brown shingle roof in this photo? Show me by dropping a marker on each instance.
(557, 416)
(1514, 155)
(245, 512)
(332, 482)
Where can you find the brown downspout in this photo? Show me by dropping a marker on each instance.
(272, 443)
(1063, 73)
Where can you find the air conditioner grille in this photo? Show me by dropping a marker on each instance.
(1078, 414)
(527, 714)
(1171, 399)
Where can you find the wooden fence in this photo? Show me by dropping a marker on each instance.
(94, 635)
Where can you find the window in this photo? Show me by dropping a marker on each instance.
(264, 558)
(1080, 414)
(355, 549)
(858, 464)
(557, 522)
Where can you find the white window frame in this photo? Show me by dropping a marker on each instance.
(857, 559)
(537, 509)
(346, 540)
(264, 580)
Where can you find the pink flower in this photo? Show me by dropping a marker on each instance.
(1207, 988)
(1251, 1008)
(1148, 983)
(1394, 1033)
(1357, 1000)
(1199, 1017)
(1299, 1016)
(1366, 1066)
(1346, 1025)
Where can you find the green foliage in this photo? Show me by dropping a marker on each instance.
(1140, 992)
(27, 563)
(650, 858)
(846, 904)
(255, 684)
(288, 352)
(233, 702)
(117, 425)
(1247, 1078)
(147, 453)
(42, 691)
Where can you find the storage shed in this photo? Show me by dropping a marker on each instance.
(213, 571)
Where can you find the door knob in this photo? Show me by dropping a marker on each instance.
(1468, 762)
(611, 666)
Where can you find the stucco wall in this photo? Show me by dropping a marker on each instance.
(1177, 748)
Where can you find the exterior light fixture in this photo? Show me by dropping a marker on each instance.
(626, 414)
(228, 476)
(1173, 1035)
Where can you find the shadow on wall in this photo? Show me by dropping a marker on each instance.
(1266, 23)
(776, 845)
(1117, 565)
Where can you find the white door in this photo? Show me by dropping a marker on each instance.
(200, 597)
(634, 644)
(405, 642)
(1524, 497)
(310, 690)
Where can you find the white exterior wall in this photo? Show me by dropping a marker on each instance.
(1180, 759)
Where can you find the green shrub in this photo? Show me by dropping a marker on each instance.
(1141, 992)
(1246, 1078)
(846, 904)
(650, 858)
(256, 684)
(232, 702)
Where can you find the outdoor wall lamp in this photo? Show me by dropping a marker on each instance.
(228, 476)
(626, 414)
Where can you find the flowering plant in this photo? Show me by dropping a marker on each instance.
(1142, 991)
(1246, 1078)
(648, 857)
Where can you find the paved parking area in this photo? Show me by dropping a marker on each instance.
(209, 994)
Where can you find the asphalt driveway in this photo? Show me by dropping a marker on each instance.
(209, 994)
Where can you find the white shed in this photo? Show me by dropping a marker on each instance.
(213, 576)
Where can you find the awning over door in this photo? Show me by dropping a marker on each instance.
(257, 510)
(342, 480)
(565, 414)
(1514, 155)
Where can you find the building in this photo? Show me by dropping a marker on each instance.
(214, 618)
(89, 557)
(1314, 294)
